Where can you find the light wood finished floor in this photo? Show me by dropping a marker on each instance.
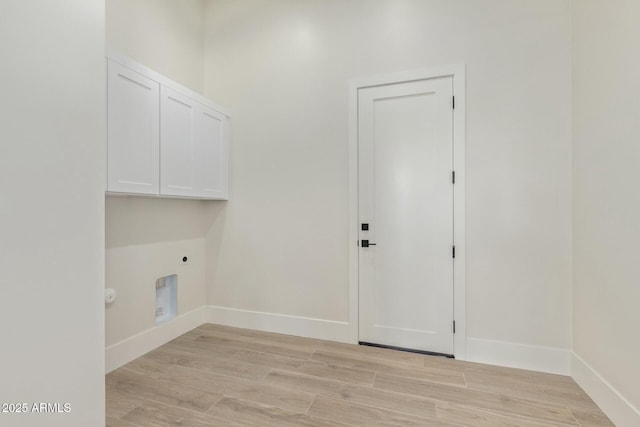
(221, 376)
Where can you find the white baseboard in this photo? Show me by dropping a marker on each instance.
(522, 356)
(127, 350)
(330, 330)
(619, 410)
(537, 358)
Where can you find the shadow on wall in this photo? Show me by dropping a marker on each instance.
(143, 220)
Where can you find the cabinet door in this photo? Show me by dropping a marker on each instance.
(177, 144)
(133, 131)
(212, 159)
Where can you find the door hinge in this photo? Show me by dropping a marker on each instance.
(453, 102)
(453, 177)
(453, 251)
(454, 326)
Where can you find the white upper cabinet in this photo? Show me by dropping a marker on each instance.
(211, 144)
(177, 144)
(132, 131)
(193, 148)
(164, 139)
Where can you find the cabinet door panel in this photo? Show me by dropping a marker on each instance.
(177, 144)
(211, 162)
(133, 131)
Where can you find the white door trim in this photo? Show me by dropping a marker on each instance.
(457, 72)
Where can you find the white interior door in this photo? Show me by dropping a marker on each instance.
(405, 191)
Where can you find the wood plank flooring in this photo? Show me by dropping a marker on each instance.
(222, 376)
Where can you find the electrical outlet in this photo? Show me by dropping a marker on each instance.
(185, 260)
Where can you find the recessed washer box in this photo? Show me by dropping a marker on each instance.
(166, 298)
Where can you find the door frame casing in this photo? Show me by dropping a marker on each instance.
(457, 72)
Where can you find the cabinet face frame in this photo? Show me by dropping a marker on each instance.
(202, 106)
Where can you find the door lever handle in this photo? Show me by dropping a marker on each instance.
(366, 244)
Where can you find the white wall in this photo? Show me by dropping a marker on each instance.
(165, 35)
(606, 207)
(52, 133)
(283, 68)
(147, 237)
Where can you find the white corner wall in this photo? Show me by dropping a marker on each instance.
(147, 237)
(606, 206)
(280, 249)
(52, 146)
